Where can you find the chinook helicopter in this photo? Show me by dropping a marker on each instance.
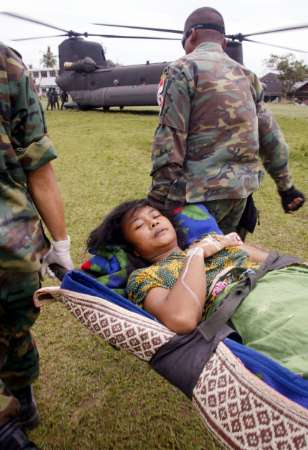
(92, 83)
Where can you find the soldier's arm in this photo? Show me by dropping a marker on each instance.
(168, 154)
(28, 128)
(273, 147)
(46, 196)
(27, 122)
(34, 149)
(169, 146)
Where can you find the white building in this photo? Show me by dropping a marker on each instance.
(44, 79)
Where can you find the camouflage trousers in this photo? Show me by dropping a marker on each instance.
(227, 212)
(19, 361)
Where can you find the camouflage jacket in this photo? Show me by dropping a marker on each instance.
(24, 147)
(213, 130)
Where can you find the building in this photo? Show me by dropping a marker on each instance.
(44, 79)
(273, 89)
(299, 90)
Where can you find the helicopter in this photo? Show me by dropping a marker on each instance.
(93, 83)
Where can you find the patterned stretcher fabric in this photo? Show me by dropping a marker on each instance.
(238, 409)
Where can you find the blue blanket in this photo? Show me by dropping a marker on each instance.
(78, 281)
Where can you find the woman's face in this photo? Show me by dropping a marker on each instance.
(149, 232)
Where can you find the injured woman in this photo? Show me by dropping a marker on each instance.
(190, 313)
(182, 287)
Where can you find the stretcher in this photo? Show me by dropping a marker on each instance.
(246, 400)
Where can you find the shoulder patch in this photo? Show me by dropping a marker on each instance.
(160, 92)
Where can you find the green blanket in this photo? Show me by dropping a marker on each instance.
(273, 319)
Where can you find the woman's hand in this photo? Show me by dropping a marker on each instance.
(209, 245)
(212, 244)
(231, 240)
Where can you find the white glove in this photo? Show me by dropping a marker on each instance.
(58, 253)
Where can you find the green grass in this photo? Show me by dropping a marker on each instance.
(90, 396)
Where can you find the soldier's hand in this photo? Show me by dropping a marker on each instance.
(59, 253)
(291, 199)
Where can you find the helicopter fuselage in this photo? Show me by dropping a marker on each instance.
(134, 85)
(92, 84)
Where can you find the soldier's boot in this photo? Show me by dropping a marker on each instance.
(13, 438)
(28, 416)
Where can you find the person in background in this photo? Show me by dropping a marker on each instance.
(64, 99)
(29, 195)
(214, 131)
(50, 103)
(55, 98)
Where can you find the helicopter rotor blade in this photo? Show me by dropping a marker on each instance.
(38, 37)
(277, 46)
(29, 19)
(165, 30)
(278, 30)
(119, 36)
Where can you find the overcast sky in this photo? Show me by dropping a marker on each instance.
(245, 16)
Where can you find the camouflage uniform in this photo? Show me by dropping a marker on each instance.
(24, 147)
(213, 129)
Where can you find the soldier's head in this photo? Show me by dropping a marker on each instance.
(203, 25)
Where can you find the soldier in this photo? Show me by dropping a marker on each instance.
(49, 100)
(28, 188)
(213, 129)
(64, 98)
(55, 98)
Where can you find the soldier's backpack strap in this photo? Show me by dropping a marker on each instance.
(239, 292)
(181, 360)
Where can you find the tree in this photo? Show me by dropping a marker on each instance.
(49, 59)
(289, 69)
(109, 62)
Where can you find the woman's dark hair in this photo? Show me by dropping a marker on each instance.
(109, 232)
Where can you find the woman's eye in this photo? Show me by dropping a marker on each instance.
(138, 226)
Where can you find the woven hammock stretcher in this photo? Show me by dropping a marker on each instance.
(239, 410)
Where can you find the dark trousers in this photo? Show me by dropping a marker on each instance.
(19, 359)
(227, 213)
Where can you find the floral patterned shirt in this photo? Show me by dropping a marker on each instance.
(221, 269)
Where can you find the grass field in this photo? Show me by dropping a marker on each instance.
(90, 396)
